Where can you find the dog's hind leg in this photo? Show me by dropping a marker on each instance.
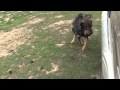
(74, 39)
(85, 43)
(80, 40)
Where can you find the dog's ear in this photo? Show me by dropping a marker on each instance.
(81, 18)
(80, 15)
(89, 16)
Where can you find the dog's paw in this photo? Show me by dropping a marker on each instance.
(72, 41)
(83, 49)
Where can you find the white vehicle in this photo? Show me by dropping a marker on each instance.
(110, 23)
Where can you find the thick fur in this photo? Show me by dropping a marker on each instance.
(82, 27)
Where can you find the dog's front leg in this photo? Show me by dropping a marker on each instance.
(85, 43)
(74, 39)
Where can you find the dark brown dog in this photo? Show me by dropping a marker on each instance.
(82, 27)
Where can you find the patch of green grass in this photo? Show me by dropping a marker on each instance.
(72, 62)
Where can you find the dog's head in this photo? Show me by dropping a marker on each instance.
(86, 24)
(82, 24)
